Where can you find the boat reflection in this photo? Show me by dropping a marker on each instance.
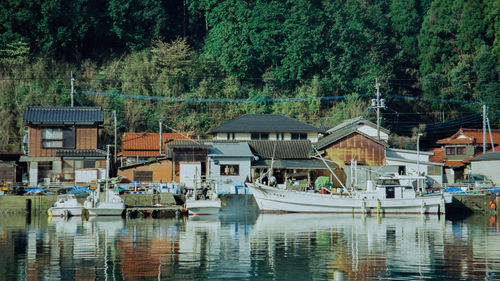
(356, 245)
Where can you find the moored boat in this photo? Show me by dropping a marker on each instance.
(384, 198)
(112, 205)
(203, 206)
(66, 206)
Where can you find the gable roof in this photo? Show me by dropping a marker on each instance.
(63, 115)
(354, 122)
(146, 144)
(342, 133)
(292, 149)
(471, 136)
(265, 123)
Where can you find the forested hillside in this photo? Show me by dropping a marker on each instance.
(195, 64)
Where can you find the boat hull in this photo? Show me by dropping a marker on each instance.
(105, 212)
(66, 211)
(203, 207)
(271, 199)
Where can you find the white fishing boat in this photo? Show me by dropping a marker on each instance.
(66, 206)
(112, 205)
(386, 197)
(203, 206)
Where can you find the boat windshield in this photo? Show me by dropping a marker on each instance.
(387, 182)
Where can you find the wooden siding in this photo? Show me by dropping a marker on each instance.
(162, 171)
(358, 147)
(86, 138)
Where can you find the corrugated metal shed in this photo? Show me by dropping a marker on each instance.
(265, 123)
(146, 144)
(55, 115)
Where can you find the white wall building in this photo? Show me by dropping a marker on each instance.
(229, 165)
(407, 163)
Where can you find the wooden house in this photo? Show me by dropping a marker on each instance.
(348, 143)
(266, 127)
(11, 170)
(61, 142)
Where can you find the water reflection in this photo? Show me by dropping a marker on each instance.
(264, 247)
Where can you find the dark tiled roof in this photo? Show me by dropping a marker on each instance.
(82, 115)
(265, 123)
(292, 149)
(81, 153)
(315, 164)
(339, 134)
(488, 156)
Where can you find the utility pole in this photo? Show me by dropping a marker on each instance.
(72, 89)
(378, 103)
(484, 128)
(161, 141)
(114, 119)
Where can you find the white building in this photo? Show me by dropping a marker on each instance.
(266, 127)
(229, 165)
(487, 165)
(413, 162)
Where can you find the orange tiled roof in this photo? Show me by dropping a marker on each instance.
(146, 144)
(454, 163)
(471, 136)
(438, 156)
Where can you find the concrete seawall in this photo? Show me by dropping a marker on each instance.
(41, 203)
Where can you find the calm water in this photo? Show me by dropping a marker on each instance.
(264, 247)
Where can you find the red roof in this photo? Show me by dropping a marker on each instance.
(147, 144)
(454, 163)
(471, 136)
(438, 156)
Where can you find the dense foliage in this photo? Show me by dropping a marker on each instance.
(253, 49)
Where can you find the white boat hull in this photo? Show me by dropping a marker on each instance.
(270, 199)
(203, 207)
(66, 211)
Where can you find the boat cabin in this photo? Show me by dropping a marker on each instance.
(389, 188)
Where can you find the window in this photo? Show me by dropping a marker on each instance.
(297, 136)
(461, 150)
(230, 136)
(143, 176)
(450, 151)
(229, 170)
(434, 170)
(85, 164)
(52, 137)
(280, 136)
(58, 138)
(260, 136)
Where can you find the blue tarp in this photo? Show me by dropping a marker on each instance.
(36, 191)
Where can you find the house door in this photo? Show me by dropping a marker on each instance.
(190, 174)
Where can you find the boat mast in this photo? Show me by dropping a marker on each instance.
(107, 172)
